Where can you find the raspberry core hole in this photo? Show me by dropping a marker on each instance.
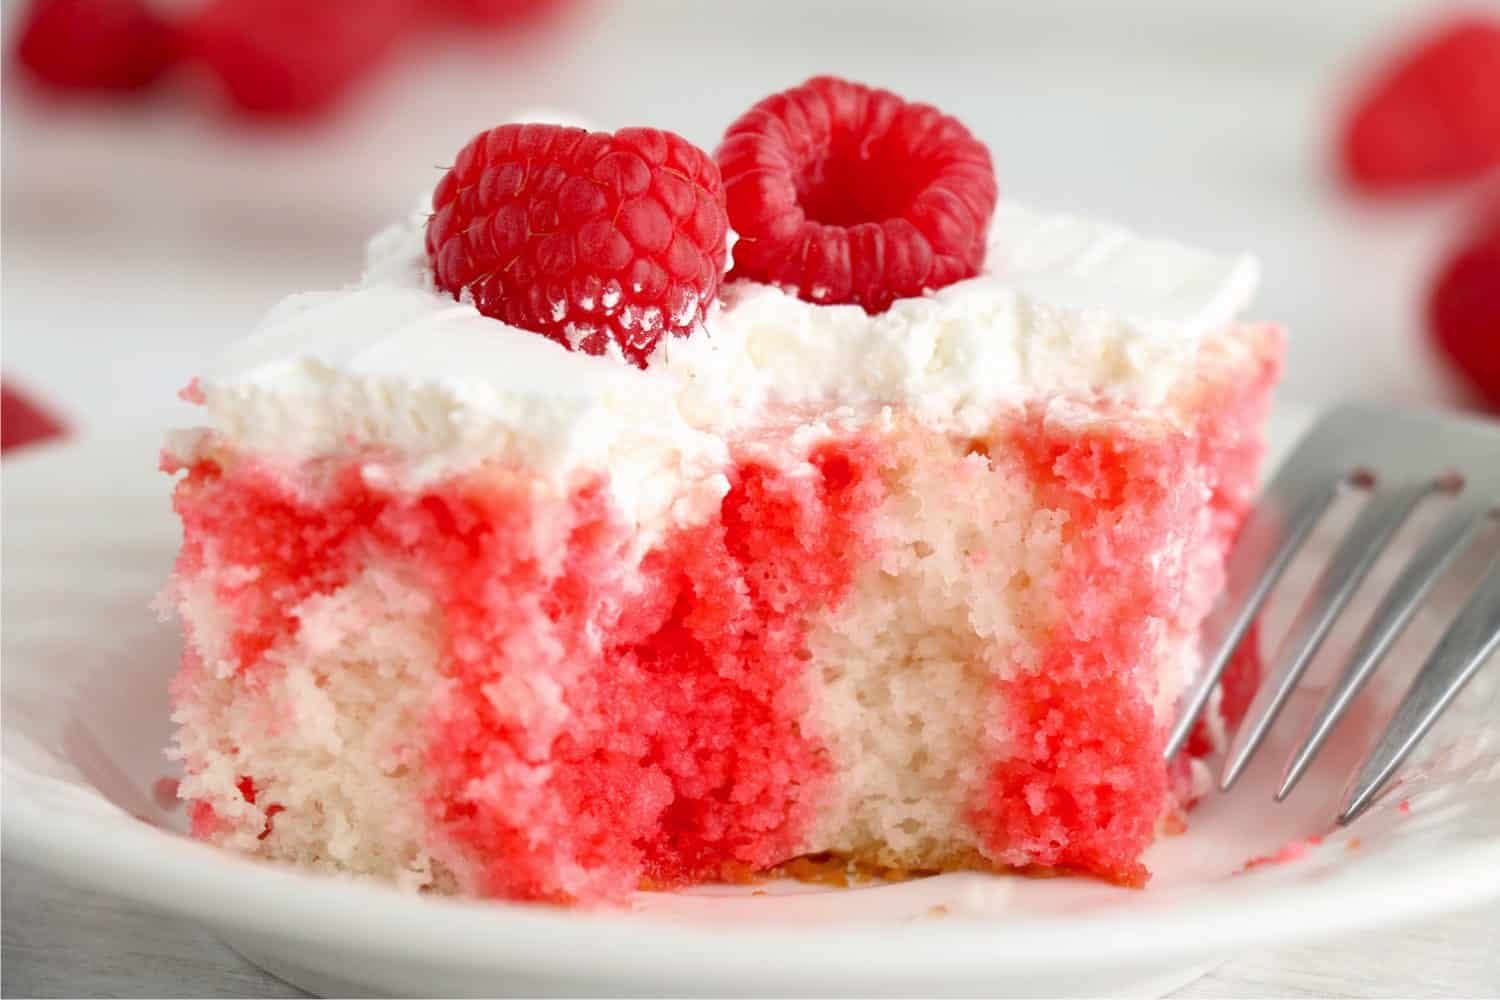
(847, 187)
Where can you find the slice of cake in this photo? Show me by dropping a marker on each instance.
(549, 561)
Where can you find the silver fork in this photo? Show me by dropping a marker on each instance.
(1401, 458)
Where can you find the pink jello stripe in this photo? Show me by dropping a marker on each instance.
(685, 753)
(1085, 786)
(604, 726)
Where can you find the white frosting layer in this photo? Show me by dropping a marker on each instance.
(1067, 308)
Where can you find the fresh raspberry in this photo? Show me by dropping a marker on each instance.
(95, 44)
(844, 193)
(1463, 310)
(1432, 115)
(586, 237)
(294, 57)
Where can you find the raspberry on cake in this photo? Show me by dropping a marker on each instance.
(602, 242)
(908, 573)
(844, 193)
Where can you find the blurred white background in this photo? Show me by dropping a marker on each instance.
(139, 239)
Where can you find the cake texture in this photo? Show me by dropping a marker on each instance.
(476, 610)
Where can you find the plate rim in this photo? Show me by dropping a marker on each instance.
(278, 902)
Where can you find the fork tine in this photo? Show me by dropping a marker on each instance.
(1271, 536)
(1377, 523)
(1397, 608)
(1462, 650)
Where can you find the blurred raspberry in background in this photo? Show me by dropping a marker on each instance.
(1428, 120)
(269, 58)
(98, 45)
(294, 57)
(496, 13)
(23, 421)
(1431, 114)
(1463, 308)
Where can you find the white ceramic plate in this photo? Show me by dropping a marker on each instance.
(88, 540)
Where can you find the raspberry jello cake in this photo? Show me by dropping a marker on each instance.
(561, 556)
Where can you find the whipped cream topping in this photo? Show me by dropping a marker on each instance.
(1067, 308)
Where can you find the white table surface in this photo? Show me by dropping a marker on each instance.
(138, 241)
